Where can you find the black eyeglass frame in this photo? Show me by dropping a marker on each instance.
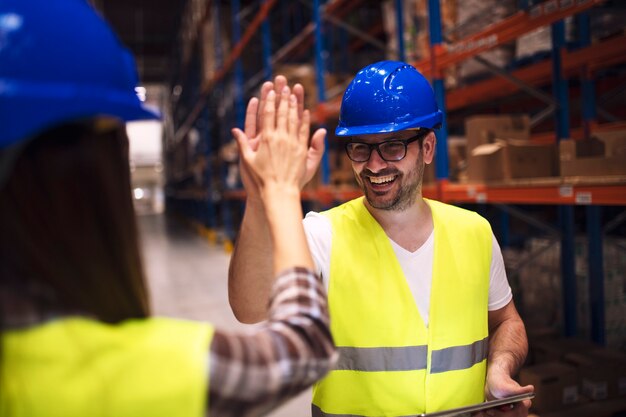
(421, 135)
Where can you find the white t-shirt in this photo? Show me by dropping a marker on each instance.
(417, 266)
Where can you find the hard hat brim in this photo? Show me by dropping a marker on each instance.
(53, 109)
(432, 121)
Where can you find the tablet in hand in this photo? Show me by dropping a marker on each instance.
(463, 411)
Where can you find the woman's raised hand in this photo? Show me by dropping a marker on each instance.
(279, 158)
(254, 123)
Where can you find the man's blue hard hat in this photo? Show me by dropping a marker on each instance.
(388, 96)
(59, 61)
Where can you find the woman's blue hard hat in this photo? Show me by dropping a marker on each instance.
(59, 62)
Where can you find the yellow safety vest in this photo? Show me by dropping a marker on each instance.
(77, 367)
(390, 363)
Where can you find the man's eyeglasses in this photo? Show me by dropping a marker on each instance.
(389, 150)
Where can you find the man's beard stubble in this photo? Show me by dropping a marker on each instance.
(410, 188)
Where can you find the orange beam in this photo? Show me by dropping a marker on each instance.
(335, 9)
(562, 194)
(597, 56)
(243, 42)
(228, 63)
(497, 87)
(503, 32)
(374, 31)
(578, 133)
(600, 55)
(481, 193)
(237, 51)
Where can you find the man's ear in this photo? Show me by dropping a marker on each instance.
(428, 147)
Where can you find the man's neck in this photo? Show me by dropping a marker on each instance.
(409, 228)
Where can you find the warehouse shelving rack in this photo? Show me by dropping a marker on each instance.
(562, 192)
(195, 204)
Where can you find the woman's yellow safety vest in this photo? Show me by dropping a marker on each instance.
(77, 367)
(390, 363)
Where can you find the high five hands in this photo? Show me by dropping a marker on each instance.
(279, 112)
(276, 160)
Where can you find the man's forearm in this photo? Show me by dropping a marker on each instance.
(508, 345)
(250, 276)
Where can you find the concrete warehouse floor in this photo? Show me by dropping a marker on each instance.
(188, 279)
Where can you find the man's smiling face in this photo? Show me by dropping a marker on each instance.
(391, 185)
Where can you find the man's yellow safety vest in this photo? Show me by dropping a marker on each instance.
(76, 367)
(390, 363)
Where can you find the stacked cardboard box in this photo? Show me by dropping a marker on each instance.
(499, 149)
(556, 349)
(457, 162)
(556, 385)
(596, 375)
(568, 373)
(457, 158)
(540, 287)
(473, 17)
(615, 364)
(606, 21)
(305, 74)
(601, 155)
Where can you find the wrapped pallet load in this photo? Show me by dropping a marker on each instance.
(473, 17)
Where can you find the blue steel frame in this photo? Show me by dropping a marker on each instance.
(320, 70)
(239, 110)
(267, 46)
(594, 213)
(566, 212)
(400, 28)
(436, 38)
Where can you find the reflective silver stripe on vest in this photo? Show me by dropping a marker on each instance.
(317, 412)
(411, 358)
(459, 357)
(405, 358)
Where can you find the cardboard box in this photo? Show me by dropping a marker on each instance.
(498, 149)
(556, 385)
(602, 154)
(340, 169)
(512, 159)
(595, 377)
(305, 74)
(341, 173)
(457, 158)
(615, 364)
(614, 142)
(610, 408)
(486, 129)
(550, 350)
(457, 162)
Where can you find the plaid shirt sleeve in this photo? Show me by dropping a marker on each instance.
(252, 373)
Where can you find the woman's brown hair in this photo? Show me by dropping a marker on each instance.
(67, 225)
